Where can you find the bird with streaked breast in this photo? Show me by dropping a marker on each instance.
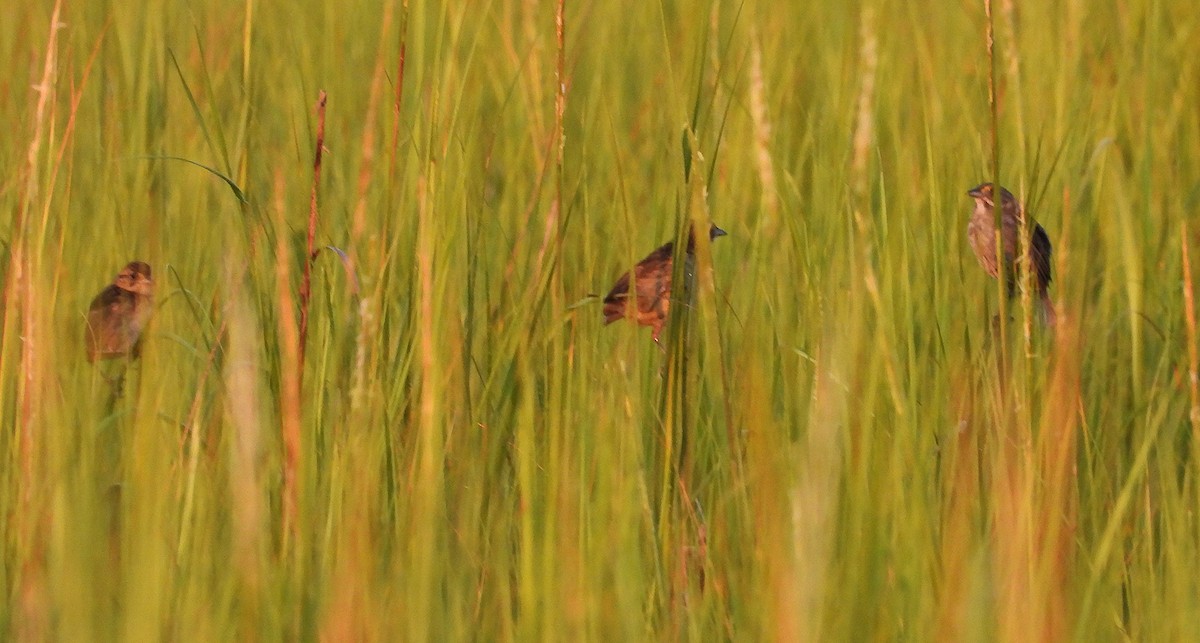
(981, 233)
(118, 315)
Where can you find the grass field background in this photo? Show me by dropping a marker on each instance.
(834, 442)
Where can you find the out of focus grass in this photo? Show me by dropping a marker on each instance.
(833, 443)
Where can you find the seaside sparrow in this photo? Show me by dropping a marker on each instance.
(981, 234)
(118, 315)
(652, 285)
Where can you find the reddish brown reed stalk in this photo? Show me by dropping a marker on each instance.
(311, 252)
(994, 105)
(960, 514)
(23, 262)
(1034, 497)
(551, 233)
(1054, 513)
(32, 619)
(1193, 352)
(760, 121)
(560, 97)
(289, 403)
(560, 93)
(358, 222)
(243, 401)
(399, 86)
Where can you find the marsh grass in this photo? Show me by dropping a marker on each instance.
(833, 442)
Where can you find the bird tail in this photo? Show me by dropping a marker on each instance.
(614, 311)
(1049, 317)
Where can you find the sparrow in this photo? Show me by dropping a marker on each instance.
(981, 234)
(652, 284)
(118, 315)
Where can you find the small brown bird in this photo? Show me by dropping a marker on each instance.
(652, 282)
(119, 314)
(981, 234)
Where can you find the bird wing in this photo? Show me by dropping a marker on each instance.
(106, 315)
(648, 284)
(653, 283)
(614, 302)
(112, 297)
(619, 291)
(1040, 248)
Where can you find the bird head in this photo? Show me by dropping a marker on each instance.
(713, 233)
(135, 277)
(984, 193)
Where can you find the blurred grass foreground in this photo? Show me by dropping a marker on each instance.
(376, 402)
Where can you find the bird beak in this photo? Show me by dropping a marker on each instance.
(975, 192)
(717, 232)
